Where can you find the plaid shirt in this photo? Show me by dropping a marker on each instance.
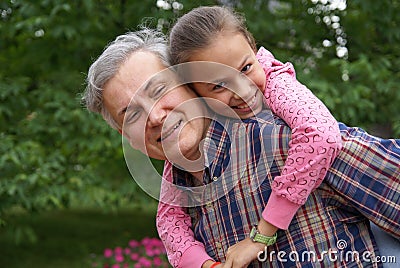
(335, 216)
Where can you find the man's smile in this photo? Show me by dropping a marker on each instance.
(169, 131)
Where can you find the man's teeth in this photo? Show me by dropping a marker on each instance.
(171, 131)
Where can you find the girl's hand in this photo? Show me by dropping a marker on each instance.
(241, 254)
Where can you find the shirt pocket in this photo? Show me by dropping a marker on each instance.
(346, 215)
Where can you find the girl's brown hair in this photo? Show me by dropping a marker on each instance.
(196, 30)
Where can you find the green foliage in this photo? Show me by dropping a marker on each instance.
(71, 238)
(54, 154)
(361, 88)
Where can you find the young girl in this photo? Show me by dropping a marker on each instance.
(216, 34)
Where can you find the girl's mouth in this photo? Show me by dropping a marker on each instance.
(248, 105)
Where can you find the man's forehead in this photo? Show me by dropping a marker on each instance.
(165, 77)
(142, 65)
(140, 68)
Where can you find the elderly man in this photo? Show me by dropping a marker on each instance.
(331, 227)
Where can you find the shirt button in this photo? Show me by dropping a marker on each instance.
(209, 205)
(218, 245)
(215, 178)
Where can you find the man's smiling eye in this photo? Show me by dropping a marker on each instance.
(132, 116)
(246, 68)
(219, 85)
(159, 91)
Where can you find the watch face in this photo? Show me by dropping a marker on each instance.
(253, 233)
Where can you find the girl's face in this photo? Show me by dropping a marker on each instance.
(244, 95)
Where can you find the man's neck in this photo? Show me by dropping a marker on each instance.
(200, 173)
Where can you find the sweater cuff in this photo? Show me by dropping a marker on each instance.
(279, 211)
(194, 257)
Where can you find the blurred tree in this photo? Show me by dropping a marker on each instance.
(345, 51)
(53, 153)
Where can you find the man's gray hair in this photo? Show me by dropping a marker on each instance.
(109, 62)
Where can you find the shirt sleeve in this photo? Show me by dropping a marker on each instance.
(174, 228)
(315, 142)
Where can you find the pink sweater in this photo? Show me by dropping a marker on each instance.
(314, 145)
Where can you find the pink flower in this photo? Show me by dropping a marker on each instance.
(108, 253)
(134, 256)
(150, 252)
(163, 250)
(145, 262)
(145, 241)
(118, 251)
(119, 258)
(157, 261)
(133, 243)
(146, 253)
(158, 243)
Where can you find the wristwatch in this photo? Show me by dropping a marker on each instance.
(255, 236)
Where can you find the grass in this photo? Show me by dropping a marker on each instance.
(67, 238)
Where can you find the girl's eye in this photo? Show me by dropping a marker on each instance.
(246, 68)
(219, 85)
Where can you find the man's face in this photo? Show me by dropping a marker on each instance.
(158, 116)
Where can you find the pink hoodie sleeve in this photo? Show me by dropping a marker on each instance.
(174, 228)
(314, 145)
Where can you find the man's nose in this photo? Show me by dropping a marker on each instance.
(156, 116)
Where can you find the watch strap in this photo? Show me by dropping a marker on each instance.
(255, 236)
